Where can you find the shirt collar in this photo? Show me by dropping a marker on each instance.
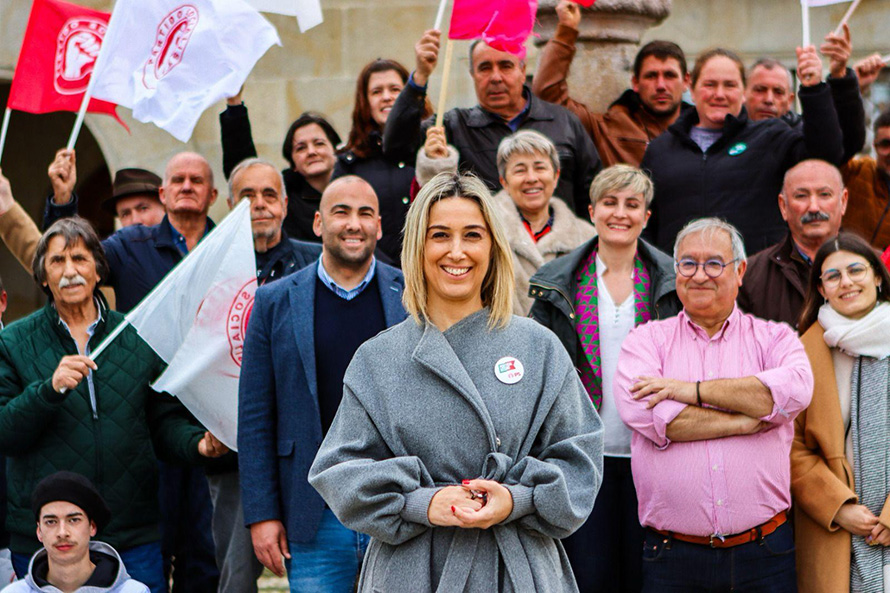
(728, 325)
(178, 238)
(339, 290)
(799, 252)
(92, 327)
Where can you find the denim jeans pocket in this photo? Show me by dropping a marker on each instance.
(655, 547)
(780, 542)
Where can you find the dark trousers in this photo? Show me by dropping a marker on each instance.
(186, 531)
(765, 566)
(605, 552)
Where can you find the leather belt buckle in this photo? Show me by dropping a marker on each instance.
(711, 540)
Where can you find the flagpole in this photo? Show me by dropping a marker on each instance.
(886, 59)
(440, 14)
(94, 354)
(840, 27)
(87, 95)
(6, 115)
(805, 16)
(443, 91)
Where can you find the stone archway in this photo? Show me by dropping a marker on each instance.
(30, 147)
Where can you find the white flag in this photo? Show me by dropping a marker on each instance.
(195, 320)
(308, 12)
(169, 60)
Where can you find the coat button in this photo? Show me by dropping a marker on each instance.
(497, 441)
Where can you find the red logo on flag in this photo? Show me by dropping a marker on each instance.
(172, 38)
(236, 322)
(77, 48)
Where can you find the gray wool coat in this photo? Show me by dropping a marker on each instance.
(423, 409)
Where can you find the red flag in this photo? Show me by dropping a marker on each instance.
(584, 3)
(58, 53)
(505, 25)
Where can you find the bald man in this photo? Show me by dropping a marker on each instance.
(813, 201)
(302, 334)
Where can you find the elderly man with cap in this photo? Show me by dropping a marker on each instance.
(69, 512)
(59, 409)
(134, 200)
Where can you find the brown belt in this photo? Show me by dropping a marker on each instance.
(753, 534)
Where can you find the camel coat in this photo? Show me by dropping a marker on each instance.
(568, 232)
(822, 480)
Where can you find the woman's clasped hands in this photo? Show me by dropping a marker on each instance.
(475, 504)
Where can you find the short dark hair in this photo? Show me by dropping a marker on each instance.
(842, 242)
(662, 50)
(705, 57)
(72, 229)
(883, 121)
(305, 119)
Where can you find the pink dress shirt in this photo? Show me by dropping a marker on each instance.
(717, 486)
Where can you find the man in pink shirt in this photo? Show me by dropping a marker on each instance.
(711, 396)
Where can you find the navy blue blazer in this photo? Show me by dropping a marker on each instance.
(279, 425)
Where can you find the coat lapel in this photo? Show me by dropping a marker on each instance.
(391, 285)
(302, 304)
(434, 352)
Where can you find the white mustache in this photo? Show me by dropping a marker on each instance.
(76, 280)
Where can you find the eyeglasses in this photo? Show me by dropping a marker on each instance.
(855, 272)
(713, 267)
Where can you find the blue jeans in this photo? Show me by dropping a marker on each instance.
(605, 551)
(143, 563)
(328, 564)
(767, 566)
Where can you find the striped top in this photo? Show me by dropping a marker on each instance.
(717, 486)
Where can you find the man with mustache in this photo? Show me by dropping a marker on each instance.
(641, 113)
(59, 409)
(813, 201)
(302, 334)
(277, 256)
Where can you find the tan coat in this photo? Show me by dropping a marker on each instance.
(822, 480)
(20, 234)
(568, 232)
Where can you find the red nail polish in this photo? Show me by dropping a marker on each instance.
(452, 509)
(465, 482)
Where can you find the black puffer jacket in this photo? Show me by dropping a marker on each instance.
(739, 178)
(476, 134)
(391, 179)
(554, 286)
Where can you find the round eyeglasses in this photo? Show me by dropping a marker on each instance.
(855, 272)
(713, 268)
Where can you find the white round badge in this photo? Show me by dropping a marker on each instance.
(508, 370)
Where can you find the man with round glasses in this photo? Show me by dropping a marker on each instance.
(867, 179)
(711, 396)
(812, 202)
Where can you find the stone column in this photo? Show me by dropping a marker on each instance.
(610, 34)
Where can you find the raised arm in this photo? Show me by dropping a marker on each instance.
(63, 177)
(822, 136)
(17, 229)
(845, 91)
(402, 135)
(237, 139)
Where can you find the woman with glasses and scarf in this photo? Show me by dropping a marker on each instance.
(840, 473)
(591, 298)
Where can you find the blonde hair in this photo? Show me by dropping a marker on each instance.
(497, 287)
(622, 177)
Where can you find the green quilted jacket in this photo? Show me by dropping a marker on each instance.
(116, 445)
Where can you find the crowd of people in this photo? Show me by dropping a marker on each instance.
(537, 348)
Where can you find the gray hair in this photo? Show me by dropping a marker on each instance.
(72, 229)
(707, 227)
(247, 164)
(772, 64)
(527, 142)
(473, 45)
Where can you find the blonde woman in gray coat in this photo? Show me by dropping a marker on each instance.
(465, 444)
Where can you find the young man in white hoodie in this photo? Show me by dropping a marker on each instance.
(69, 512)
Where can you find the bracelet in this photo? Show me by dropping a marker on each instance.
(698, 393)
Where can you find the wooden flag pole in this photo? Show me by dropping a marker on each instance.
(805, 16)
(849, 13)
(3, 130)
(443, 92)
